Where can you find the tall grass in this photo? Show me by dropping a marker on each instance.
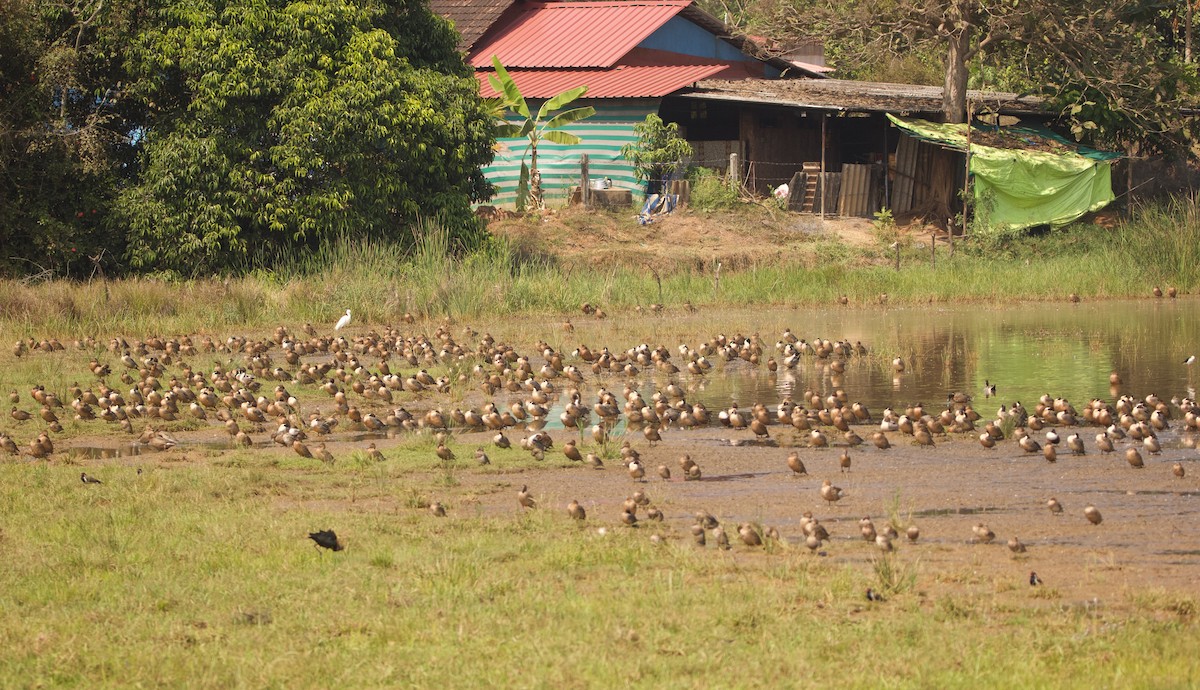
(1167, 233)
(381, 281)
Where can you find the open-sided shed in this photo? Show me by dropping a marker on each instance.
(1023, 176)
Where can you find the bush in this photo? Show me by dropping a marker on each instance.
(659, 153)
(710, 191)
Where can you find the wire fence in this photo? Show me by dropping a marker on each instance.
(756, 174)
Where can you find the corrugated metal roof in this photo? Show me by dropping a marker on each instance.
(620, 81)
(573, 34)
(743, 43)
(862, 96)
(471, 18)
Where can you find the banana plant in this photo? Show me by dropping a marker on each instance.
(535, 128)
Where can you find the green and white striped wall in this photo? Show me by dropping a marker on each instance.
(602, 135)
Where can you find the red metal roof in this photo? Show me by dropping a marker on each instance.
(620, 81)
(573, 34)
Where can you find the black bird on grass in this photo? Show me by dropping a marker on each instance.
(86, 479)
(326, 539)
(1034, 580)
(872, 595)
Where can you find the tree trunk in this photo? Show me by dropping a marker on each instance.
(1187, 37)
(535, 178)
(954, 97)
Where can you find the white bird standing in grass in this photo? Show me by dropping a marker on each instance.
(343, 322)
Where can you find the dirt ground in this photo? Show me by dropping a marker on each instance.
(1147, 541)
(679, 241)
(755, 234)
(1147, 538)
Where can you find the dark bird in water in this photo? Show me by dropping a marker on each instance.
(86, 479)
(326, 539)
(872, 595)
(1034, 580)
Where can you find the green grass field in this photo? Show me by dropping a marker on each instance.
(198, 574)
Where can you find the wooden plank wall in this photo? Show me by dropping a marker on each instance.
(927, 180)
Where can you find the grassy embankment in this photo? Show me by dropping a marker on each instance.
(1160, 245)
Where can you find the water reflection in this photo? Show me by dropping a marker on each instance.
(1025, 350)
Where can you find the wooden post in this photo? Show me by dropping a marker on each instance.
(966, 177)
(735, 170)
(933, 250)
(585, 183)
(821, 185)
(1129, 178)
(887, 167)
(896, 246)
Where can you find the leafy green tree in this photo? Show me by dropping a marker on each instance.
(64, 132)
(659, 151)
(536, 127)
(276, 122)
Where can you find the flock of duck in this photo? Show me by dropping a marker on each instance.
(358, 384)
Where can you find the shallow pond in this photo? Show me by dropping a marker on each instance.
(1026, 350)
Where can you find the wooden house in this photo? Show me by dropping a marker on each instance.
(775, 116)
(630, 55)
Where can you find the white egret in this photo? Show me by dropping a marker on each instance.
(343, 322)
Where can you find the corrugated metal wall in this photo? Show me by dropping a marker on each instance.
(860, 190)
(603, 135)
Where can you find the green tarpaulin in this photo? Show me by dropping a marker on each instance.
(1020, 188)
